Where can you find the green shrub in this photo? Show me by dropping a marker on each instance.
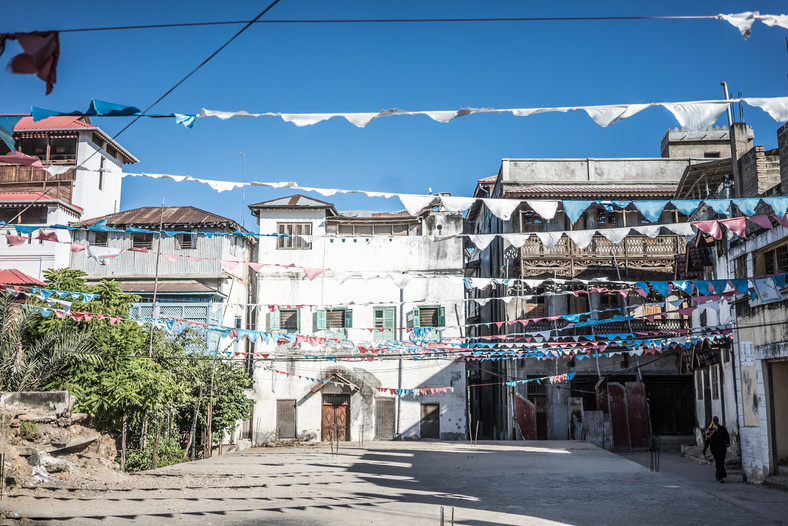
(170, 452)
(29, 430)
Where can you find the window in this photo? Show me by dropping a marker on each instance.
(140, 240)
(429, 316)
(699, 384)
(535, 306)
(715, 383)
(530, 221)
(335, 321)
(711, 155)
(186, 241)
(101, 174)
(383, 323)
(740, 266)
(98, 239)
(606, 218)
(284, 320)
(608, 302)
(294, 230)
(776, 260)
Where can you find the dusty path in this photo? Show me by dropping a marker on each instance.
(406, 483)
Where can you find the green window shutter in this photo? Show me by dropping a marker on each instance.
(388, 318)
(298, 321)
(442, 317)
(416, 321)
(273, 321)
(348, 318)
(321, 319)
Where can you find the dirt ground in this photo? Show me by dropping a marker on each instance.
(406, 483)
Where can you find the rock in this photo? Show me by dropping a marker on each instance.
(109, 464)
(39, 459)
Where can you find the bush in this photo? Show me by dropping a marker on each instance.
(29, 430)
(170, 452)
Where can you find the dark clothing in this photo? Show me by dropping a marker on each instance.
(718, 440)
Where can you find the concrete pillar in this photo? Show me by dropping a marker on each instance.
(739, 146)
(782, 148)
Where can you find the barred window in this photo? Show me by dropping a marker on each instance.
(140, 240)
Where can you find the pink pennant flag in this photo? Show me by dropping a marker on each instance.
(255, 266)
(47, 236)
(762, 221)
(15, 241)
(230, 265)
(498, 323)
(782, 220)
(114, 319)
(77, 247)
(312, 273)
(171, 257)
(737, 225)
(138, 249)
(711, 227)
(197, 259)
(642, 292)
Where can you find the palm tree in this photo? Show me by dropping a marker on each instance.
(28, 360)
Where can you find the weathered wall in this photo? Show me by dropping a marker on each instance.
(649, 171)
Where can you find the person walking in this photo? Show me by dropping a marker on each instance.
(718, 440)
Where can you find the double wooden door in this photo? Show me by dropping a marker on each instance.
(335, 417)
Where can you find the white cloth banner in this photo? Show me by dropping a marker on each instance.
(481, 241)
(774, 20)
(607, 115)
(651, 231)
(682, 229)
(502, 208)
(615, 235)
(742, 21)
(516, 240)
(776, 107)
(546, 209)
(696, 116)
(457, 204)
(549, 239)
(415, 203)
(582, 238)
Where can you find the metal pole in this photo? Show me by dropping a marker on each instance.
(730, 115)
(156, 279)
(399, 367)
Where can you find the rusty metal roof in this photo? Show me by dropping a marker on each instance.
(169, 216)
(591, 191)
(164, 287)
(294, 201)
(701, 180)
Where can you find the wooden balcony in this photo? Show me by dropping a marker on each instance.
(565, 259)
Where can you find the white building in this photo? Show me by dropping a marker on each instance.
(387, 277)
(32, 197)
(192, 283)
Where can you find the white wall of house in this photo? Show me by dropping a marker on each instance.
(339, 288)
(97, 193)
(35, 256)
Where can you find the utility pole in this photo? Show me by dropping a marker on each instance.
(243, 188)
(156, 280)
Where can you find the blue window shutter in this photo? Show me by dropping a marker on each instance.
(321, 319)
(442, 317)
(416, 320)
(348, 318)
(273, 321)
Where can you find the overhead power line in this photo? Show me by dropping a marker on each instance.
(388, 21)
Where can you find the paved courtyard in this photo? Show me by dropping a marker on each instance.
(408, 482)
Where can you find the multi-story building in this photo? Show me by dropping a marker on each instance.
(34, 197)
(358, 363)
(556, 278)
(191, 277)
(743, 381)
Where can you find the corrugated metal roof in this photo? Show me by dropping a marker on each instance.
(165, 287)
(12, 276)
(591, 191)
(150, 216)
(294, 201)
(488, 180)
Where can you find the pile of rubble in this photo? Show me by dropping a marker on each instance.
(43, 442)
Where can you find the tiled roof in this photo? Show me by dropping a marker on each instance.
(488, 180)
(12, 276)
(61, 122)
(150, 216)
(293, 202)
(38, 197)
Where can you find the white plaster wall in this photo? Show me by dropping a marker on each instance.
(37, 256)
(441, 260)
(87, 195)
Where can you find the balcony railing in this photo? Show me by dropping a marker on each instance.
(632, 247)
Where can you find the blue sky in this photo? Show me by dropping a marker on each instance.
(369, 67)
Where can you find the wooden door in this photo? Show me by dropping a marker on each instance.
(384, 418)
(334, 418)
(430, 421)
